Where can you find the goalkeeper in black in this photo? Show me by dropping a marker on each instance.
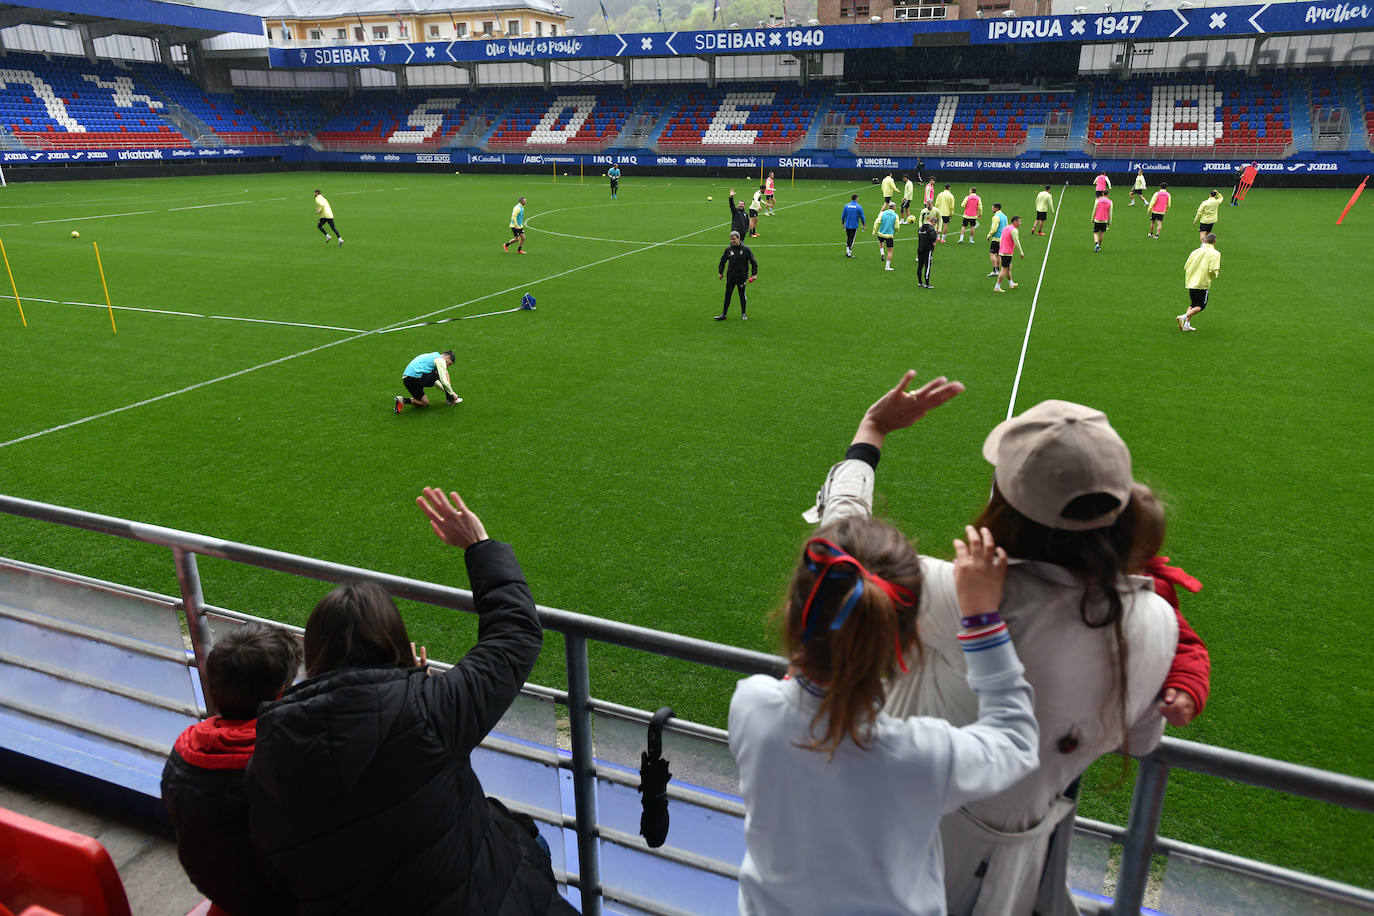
(737, 268)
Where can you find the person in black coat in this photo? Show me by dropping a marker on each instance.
(926, 237)
(737, 267)
(361, 793)
(203, 779)
(739, 218)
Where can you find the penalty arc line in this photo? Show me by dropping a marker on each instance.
(334, 343)
(1030, 320)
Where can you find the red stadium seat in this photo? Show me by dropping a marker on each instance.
(46, 866)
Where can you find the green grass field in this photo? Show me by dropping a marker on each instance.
(651, 465)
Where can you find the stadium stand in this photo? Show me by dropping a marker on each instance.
(1225, 114)
(386, 119)
(291, 115)
(762, 118)
(70, 103)
(924, 122)
(224, 115)
(571, 119)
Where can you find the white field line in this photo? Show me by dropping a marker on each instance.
(1030, 321)
(77, 219)
(231, 203)
(396, 326)
(134, 308)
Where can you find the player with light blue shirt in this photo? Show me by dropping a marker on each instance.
(428, 370)
(613, 173)
(886, 230)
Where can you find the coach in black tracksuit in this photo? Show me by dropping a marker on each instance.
(738, 267)
(926, 236)
(739, 220)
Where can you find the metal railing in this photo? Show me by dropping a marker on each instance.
(1139, 839)
(951, 150)
(1278, 149)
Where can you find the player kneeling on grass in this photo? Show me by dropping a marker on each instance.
(844, 801)
(428, 370)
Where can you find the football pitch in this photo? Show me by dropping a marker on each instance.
(651, 465)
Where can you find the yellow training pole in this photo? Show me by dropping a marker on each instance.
(792, 182)
(106, 286)
(581, 168)
(12, 286)
(555, 173)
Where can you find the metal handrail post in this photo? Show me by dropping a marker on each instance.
(1138, 843)
(193, 605)
(583, 772)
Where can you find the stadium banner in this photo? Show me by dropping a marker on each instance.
(1147, 25)
(1301, 164)
(108, 156)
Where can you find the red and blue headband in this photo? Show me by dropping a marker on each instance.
(832, 564)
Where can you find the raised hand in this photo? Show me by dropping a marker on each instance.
(980, 569)
(452, 522)
(899, 408)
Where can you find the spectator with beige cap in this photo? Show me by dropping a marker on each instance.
(1097, 642)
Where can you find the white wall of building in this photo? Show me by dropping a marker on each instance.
(1345, 49)
(42, 38)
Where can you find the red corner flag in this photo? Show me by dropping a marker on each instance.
(1353, 197)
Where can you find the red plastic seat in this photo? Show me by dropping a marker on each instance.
(48, 866)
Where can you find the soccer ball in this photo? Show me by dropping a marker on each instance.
(709, 197)
(910, 220)
(75, 234)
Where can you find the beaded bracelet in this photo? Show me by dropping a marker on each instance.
(980, 620)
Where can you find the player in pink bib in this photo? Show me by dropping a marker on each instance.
(1101, 185)
(1159, 205)
(1102, 218)
(973, 208)
(1010, 245)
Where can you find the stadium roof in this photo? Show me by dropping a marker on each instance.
(333, 9)
(178, 22)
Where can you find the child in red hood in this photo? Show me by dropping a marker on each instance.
(202, 783)
(1189, 680)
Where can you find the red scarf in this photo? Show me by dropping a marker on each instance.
(218, 743)
(1166, 577)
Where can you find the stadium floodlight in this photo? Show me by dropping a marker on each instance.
(1146, 4)
(977, 14)
(1008, 13)
(793, 22)
(1185, 5)
(591, 31)
(1107, 7)
(875, 18)
(1080, 9)
(813, 22)
(734, 25)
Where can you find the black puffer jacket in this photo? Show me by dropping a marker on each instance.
(362, 798)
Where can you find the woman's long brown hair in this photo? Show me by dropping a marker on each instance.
(1100, 556)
